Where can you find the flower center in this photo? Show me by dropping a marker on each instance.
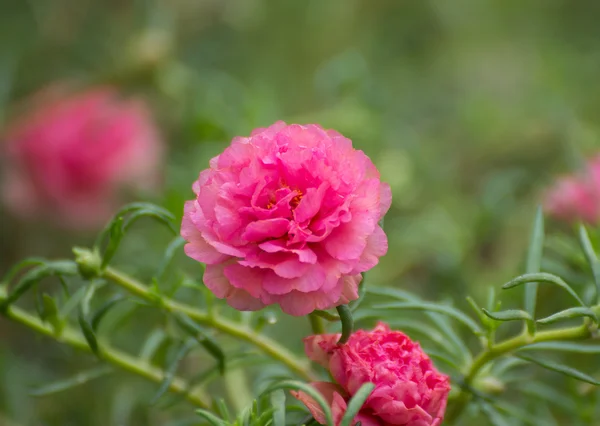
(274, 197)
(296, 200)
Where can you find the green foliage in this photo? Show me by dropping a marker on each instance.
(591, 257)
(32, 277)
(171, 368)
(116, 229)
(200, 335)
(356, 403)
(71, 382)
(559, 368)
(543, 277)
(576, 312)
(512, 315)
(534, 260)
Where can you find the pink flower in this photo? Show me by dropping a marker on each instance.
(66, 159)
(575, 198)
(288, 215)
(409, 391)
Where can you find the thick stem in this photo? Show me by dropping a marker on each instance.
(316, 324)
(510, 345)
(264, 343)
(73, 338)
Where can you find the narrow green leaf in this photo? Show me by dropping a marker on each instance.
(73, 302)
(543, 277)
(63, 284)
(495, 418)
(534, 259)
(51, 314)
(89, 294)
(444, 326)
(244, 417)
(549, 394)
(35, 275)
(103, 310)
(517, 412)
(115, 234)
(491, 299)
(440, 356)
(122, 221)
(163, 216)
(577, 312)
(356, 403)
(563, 369)
(13, 271)
(433, 307)
(39, 303)
(484, 319)
(71, 382)
(347, 322)
(211, 418)
(171, 370)
(152, 343)
(223, 410)
(504, 365)
(395, 293)
(265, 418)
(310, 391)
(126, 210)
(207, 342)
(512, 315)
(591, 257)
(170, 251)
(582, 348)
(278, 403)
(88, 333)
(246, 360)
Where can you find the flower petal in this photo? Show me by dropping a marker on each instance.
(265, 229)
(197, 248)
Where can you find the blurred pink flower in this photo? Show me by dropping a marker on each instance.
(288, 215)
(577, 197)
(69, 156)
(409, 391)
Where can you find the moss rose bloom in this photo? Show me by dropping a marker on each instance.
(69, 155)
(287, 216)
(409, 391)
(577, 197)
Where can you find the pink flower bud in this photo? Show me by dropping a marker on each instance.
(287, 216)
(408, 391)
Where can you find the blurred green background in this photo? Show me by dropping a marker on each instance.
(469, 109)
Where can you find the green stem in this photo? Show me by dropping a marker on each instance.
(267, 345)
(73, 338)
(316, 323)
(347, 322)
(510, 345)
